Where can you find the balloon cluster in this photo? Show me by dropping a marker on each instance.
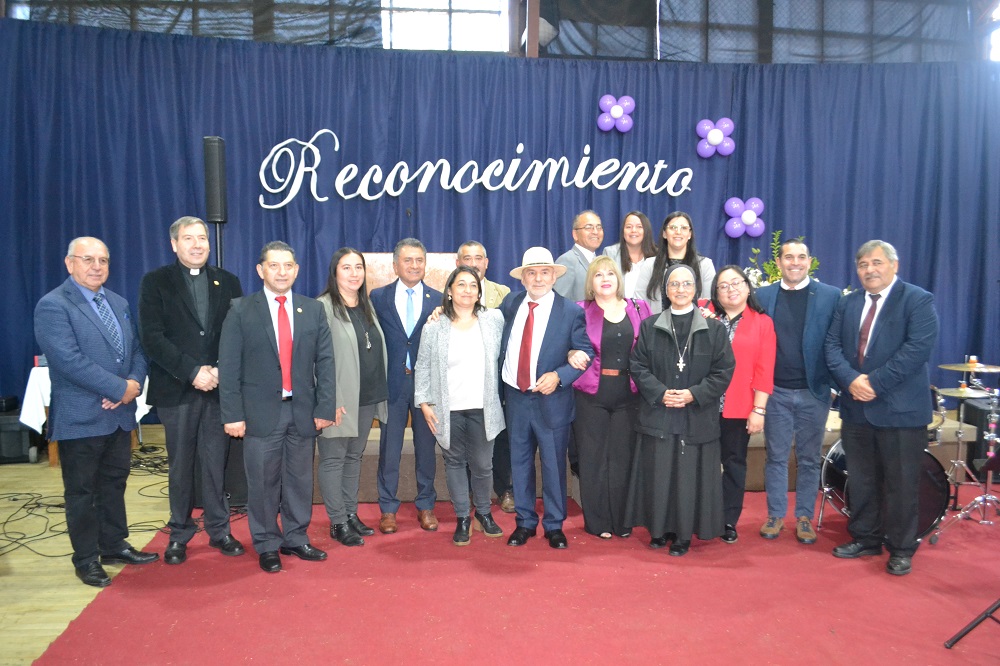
(744, 217)
(615, 113)
(715, 137)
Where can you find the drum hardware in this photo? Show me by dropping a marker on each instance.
(986, 499)
(933, 489)
(988, 613)
(959, 472)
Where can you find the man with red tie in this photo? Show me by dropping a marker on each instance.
(878, 346)
(277, 390)
(540, 330)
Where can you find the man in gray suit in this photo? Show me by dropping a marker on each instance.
(588, 234)
(277, 391)
(97, 369)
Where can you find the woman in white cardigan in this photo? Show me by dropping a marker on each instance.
(362, 392)
(455, 384)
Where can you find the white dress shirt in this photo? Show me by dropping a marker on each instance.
(542, 313)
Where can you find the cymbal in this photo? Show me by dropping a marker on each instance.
(970, 367)
(963, 393)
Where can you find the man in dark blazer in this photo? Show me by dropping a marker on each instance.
(97, 370)
(797, 410)
(277, 390)
(181, 310)
(402, 308)
(541, 327)
(588, 234)
(878, 348)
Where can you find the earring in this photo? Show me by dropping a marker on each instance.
(449, 297)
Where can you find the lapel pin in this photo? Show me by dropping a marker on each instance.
(299, 310)
(215, 282)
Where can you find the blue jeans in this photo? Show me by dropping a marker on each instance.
(794, 415)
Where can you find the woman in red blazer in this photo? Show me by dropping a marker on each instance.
(744, 405)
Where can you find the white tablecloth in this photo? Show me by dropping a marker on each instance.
(37, 394)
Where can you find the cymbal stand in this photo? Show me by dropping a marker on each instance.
(987, 499)
(959, 472)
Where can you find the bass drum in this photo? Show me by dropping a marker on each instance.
(934, 488)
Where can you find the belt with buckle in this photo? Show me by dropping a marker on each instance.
(612, 372)
(286, 398)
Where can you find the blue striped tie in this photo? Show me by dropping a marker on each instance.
(109, 322)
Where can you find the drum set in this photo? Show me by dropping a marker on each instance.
(936, 484)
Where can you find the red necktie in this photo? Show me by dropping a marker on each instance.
(284, 344)
(524, 357)
(866, 329)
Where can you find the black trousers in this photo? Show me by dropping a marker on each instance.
(194, 430)
(883, 468)
(94, 471)
(734, 440)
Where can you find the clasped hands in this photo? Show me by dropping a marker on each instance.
(132, 391)
(861, 389)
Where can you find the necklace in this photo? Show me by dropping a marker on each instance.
(364, 327)
(682, 352)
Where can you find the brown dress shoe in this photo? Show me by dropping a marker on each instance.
(427, 520)
(387, 523)
(507, 502)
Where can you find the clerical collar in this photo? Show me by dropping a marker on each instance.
(682, 311)
(195, 271)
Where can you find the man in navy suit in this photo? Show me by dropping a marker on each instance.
(541, 328)
(402, 308)
(277, 390)
(97, 370)
(181, 310)
(801, 309)
(877, 348)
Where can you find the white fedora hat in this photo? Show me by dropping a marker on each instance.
(535, 257)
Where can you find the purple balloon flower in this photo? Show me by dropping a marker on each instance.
(617, 113)
(715, 137)
(744, 217)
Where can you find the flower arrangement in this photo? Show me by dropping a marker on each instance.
(763, 274)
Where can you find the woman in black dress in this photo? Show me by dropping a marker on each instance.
(682, 364)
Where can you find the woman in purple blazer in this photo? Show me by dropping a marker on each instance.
(606, 400)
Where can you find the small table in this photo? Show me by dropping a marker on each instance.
(35, 406)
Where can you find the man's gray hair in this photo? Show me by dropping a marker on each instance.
(407, 242)
(275, 246)
(872, 245)
(71, 249)
(472, 243)
(186, 221)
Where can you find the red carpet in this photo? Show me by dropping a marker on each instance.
(413, 598)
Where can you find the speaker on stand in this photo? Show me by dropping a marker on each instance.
(215, 189)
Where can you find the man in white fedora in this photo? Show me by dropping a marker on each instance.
(541, 328)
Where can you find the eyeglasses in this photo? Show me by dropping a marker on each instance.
(590, 228)
(89, 261)
(734, 285)
(677, 228)
(687, 284)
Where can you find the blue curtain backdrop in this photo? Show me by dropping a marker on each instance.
(101, 134)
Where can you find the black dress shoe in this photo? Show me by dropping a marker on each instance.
(662, 541)
(228, 545)
(556, 539)
(854, 549)
(270, 562)
(520, 536)
(346, 535)
(624, 534)
(93, 574)
(678, 548)
(488, 526)
(462, 536)
(358, 526)
(130, 556)
(729, 535)
(175, 553)
(304, 552)
(898, 565)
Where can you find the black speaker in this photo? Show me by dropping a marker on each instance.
(976, 414)
(215, 179)
(236, 477)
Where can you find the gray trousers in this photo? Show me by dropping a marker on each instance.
(469, 448)
(279, 479)
(339, 471)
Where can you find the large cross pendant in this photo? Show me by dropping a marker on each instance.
(680, 364)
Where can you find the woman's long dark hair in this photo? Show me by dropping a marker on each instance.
(655, 288)
(648, 246)
(339, 307)
(752, 301)
(448, 306)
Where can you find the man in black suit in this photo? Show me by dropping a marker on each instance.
(402, 308)
(277, 390)
(181, 310)
(878, 346)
